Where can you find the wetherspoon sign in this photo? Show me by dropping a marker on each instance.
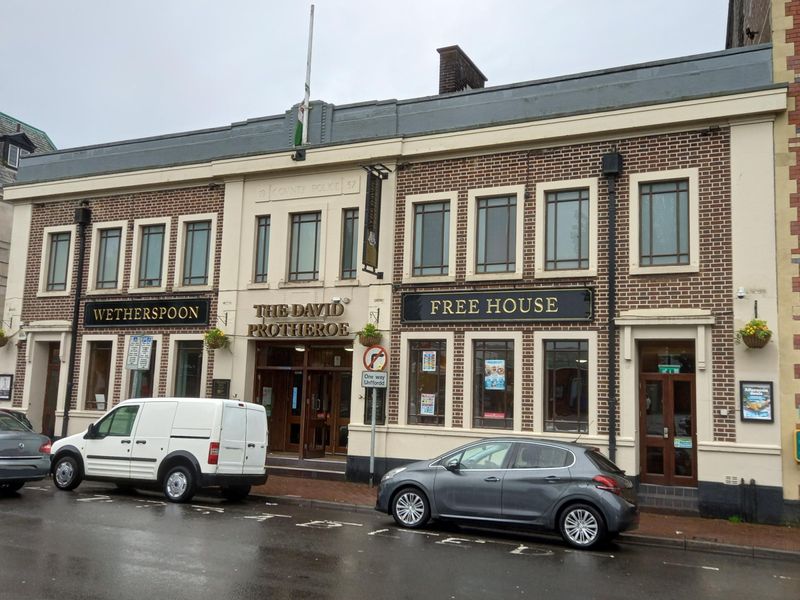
(568, 304)
(173, 313)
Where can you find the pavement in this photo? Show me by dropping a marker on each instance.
(676, 531)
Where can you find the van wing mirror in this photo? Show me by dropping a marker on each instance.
(90, 432)
(453, 465)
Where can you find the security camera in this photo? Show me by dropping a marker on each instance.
(336, 300)
(740, 293)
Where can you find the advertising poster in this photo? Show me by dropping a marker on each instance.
(494, 374)
(429, 361)
(427, 404)
(6, 383)
(756, 399)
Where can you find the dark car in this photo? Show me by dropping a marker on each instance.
(18, 415)
(24, 455)
(563, 487)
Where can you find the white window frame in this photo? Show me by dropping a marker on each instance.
(539, 337)
(692, 175)
(126, 373)
(15, 163)
(172, 362)
(180, 251)
(540, 249)
(84, 370)
(339, 222)
(251, 280)
(405, 338)
(469, 338)
(408, 237)
(45, 259)
(472, 223)
(323, 240)
(94, 257)
(133, 282)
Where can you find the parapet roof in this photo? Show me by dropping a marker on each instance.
(713, 74)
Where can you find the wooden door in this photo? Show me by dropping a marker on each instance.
(341, 412)
(51, 389)
(667, 426)
(318, 404)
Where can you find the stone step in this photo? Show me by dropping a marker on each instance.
(306, 473)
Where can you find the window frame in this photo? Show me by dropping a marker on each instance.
(47, 232)
(83, 375)
(15, 163)
(318, 250)
(255, 273)
(356, 242)
(405, 337)
(473, 195)
(133, 281)
(156, 357)
(634, 215)
(539, 365)
(180, 253)
(94, 257)
(540, 241)
(172, 362)
(408, 237)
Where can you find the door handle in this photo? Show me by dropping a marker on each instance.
(666, 432)
(552, 479)
(124, 441)
(492, 479)
(141, 441)
(251, 445)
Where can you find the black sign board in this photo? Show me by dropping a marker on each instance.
(220, 388)
(152, 313)
(372, 222)
(570, 304)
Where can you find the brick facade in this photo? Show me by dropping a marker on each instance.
(709, 289)
(128, 207)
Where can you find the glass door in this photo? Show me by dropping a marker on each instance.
(342, 412)
(318, 411)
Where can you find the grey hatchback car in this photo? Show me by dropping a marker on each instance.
(556, 486)
(24, 455)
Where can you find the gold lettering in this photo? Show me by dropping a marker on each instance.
(137, 313)
(344, 329)
(117, 312)
(98, 314)
(435, 305)
(146, 313)
(172, 312)
(319, 329)
(538, 305)
(183, 312)
(552, 304)
(314, 310)
(492, 305)
(274, 330)
(259, 311)
(448, 307)
(473, 306)
(251, 330)
(335, 310)
(523, 307)
(282, 310)
(509, 306)
(297, 310)
(162, 311)
(194, 312)
(461, 307)
(127, 314)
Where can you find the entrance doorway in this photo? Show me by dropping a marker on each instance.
(51, 389)
(306, 390)
(667, 409)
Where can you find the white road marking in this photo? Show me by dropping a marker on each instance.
(270, 504)
(151, 503)
(428, 533)
(207, 510)
(705, 567)
(96, 498)
(456, 541)
(327, 524)
(378, 532)
(38, 489)
(524, 550)
(266, 516)
(783, 577)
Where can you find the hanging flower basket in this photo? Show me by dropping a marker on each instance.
(3, 340)
(754, 341)
(215, 339)
(369, 335)
(755, 334)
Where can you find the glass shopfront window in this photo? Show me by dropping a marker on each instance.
(189, 368)
(141, 382)
(566, 385)
(427, 382)
(99, 373)
(493, 384)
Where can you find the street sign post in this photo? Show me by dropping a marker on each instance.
(375, 361)
(374, 379)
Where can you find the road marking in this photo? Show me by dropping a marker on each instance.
(705, 567)
(96, 498)
(270, 504)
(151, 503)
(783, 577)
(456, 541)
(523, 550)
(207, 510)
(266, 516)
(428, 533)
(327, 524)
(38, 489)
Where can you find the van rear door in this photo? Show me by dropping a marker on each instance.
(151, 438)
(256, 453)
(232, 438)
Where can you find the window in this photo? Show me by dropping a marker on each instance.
(99, 375)
(304, 253)
(567, 214)
(151, 255)
(195, 253)
(108, 259)
(262, 249)
(349, 243)
(57, 261)
(664, 224)
(12, 156)
(380, 407)
(566, 385)
(664, 221)
(431, 238)
(493, 384)
(119, 423)
(490, 455)
(496, 235)
(141, 382)
(427, 382)
(539, 456)
(189, 368)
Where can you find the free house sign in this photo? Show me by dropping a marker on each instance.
(567, 304)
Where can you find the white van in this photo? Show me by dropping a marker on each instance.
(179, 444)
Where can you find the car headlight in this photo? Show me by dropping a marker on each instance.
(392, 473)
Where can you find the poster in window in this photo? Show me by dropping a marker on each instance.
(427, 404)
(494, 377)
(429, 361)
(6, 385)
(756, 401)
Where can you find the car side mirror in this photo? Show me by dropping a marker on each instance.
(90, 432)
(453, 465)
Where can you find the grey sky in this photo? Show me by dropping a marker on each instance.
(93, 71)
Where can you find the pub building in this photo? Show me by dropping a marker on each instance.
(476, 229)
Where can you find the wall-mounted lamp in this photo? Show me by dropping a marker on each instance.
(300, 348)
(340, 300)
(741, 293)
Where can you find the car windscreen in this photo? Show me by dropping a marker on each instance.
(602, 463)
(9, 423)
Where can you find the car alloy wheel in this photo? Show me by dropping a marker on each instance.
(582, 526)
(410, 508)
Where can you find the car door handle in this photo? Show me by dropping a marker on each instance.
(251, 445)
(552, 479)
(141, 441)
(124, 441)
(492, 479)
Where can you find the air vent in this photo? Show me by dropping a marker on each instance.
(732, 480)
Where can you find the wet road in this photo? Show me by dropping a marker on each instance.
(101, 543)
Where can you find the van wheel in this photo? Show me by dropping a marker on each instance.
(582, 526)
(236, 492)
(67, 474)
(179, 484)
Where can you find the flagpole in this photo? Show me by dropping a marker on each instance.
(308, 77)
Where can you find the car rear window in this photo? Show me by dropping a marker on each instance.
(8, 423)
(602, 463)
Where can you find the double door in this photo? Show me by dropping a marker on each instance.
(667, 428)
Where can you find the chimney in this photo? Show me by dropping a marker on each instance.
(457, 72)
